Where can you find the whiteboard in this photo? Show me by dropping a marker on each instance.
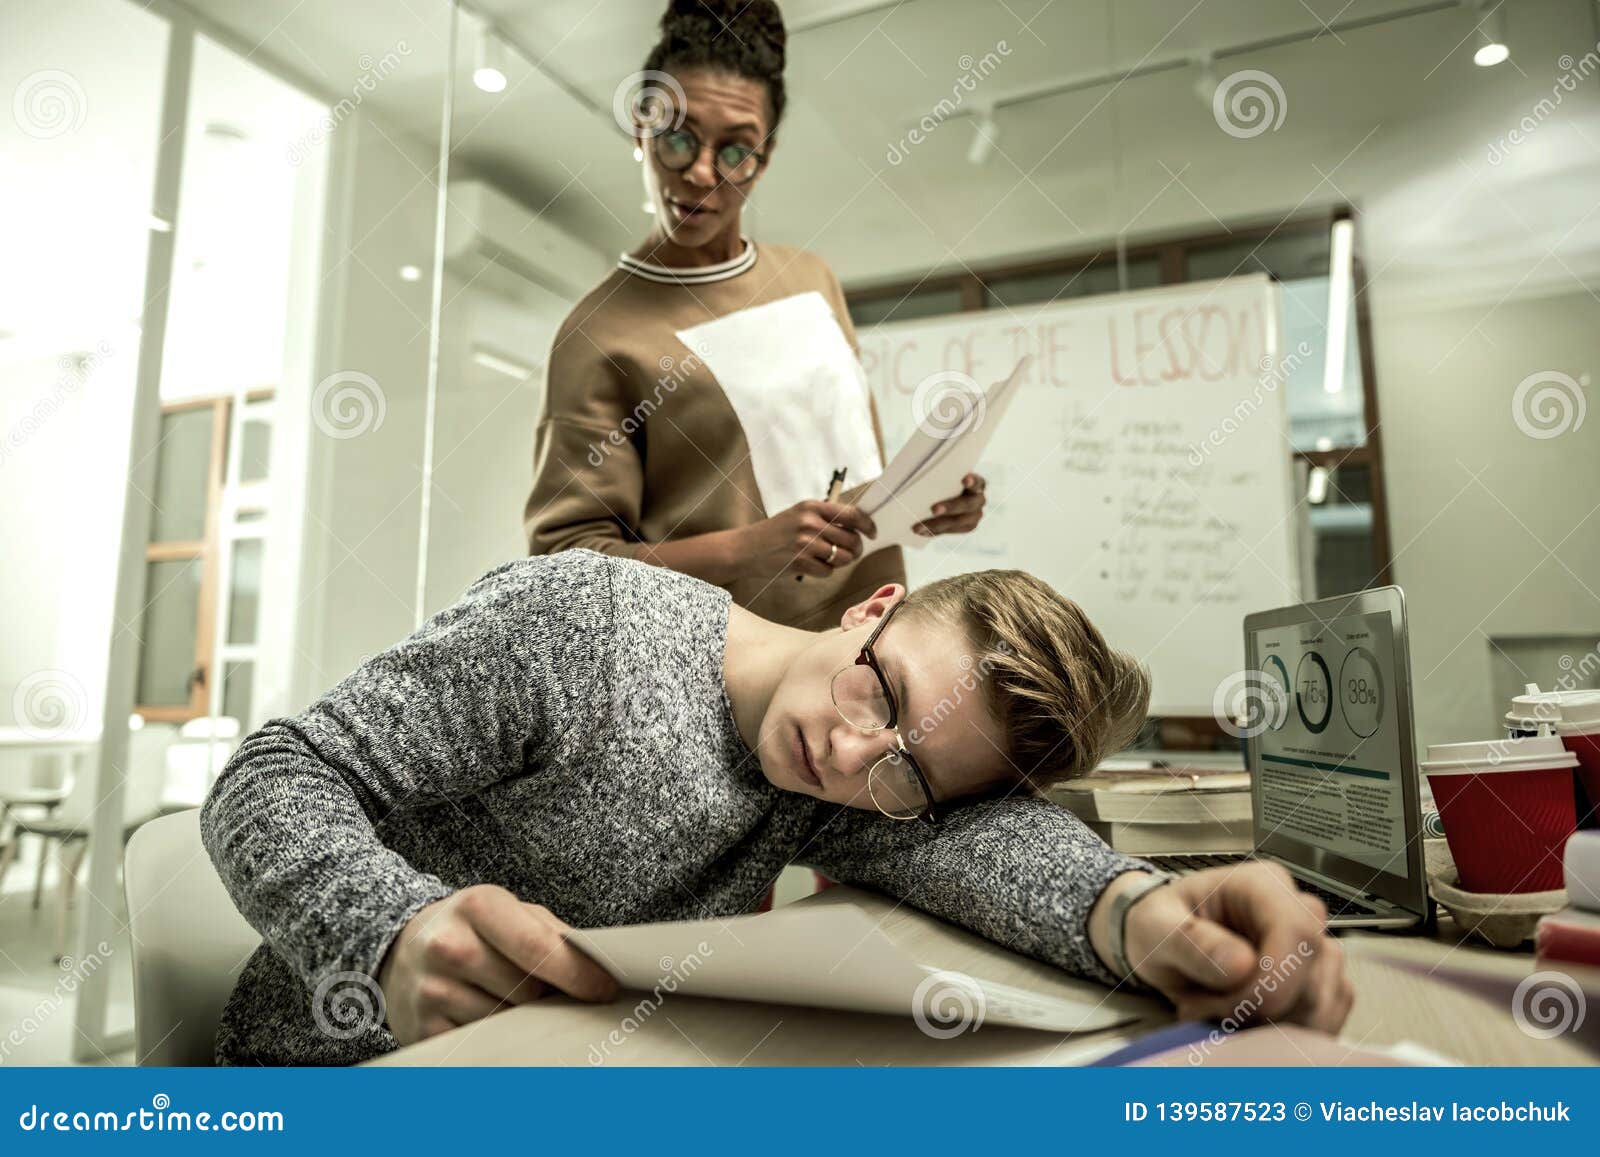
(1144, 468)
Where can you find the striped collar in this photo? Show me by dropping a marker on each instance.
(697, 275)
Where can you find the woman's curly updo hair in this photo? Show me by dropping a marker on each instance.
(742, 37)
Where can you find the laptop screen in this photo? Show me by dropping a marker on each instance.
(1334, 762)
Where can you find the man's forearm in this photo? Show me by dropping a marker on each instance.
(300, 858)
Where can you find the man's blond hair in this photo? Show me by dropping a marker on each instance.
(1064, 698)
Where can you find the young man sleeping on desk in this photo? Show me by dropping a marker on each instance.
(586, 741)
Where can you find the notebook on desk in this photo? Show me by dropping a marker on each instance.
(834, 956)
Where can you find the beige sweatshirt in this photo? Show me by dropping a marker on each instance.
(639, 441)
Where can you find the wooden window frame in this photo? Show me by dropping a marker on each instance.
(1172, 253)
(208, 549)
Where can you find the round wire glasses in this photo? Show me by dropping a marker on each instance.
(863, 698)
(735, 163)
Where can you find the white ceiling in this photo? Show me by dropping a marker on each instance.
(1393, 116)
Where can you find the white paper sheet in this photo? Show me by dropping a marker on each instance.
(799, 391)
(825, 956)
(943, 449)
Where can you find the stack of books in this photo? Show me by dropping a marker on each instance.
(1572, 935)
(1155, 806)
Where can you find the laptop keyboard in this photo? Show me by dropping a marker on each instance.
(1337, 905)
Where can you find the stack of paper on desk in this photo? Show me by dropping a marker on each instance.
(832, 956)
(945, 447)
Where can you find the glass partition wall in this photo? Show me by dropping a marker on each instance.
(215, 346)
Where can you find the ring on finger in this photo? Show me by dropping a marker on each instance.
(833, 551)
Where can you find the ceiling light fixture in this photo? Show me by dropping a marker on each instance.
(1341, 285)
(984, 133)
(1205, 80)
(489, 72)
(1492, 48)
(500, 364)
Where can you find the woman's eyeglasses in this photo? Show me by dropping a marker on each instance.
(737, 164)
(863, 698)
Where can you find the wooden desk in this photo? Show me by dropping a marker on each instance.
(1392, 1005)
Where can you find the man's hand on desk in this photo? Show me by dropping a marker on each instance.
(1241, 942)
(471, 954)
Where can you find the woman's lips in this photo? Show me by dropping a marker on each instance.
(803, 764)
(687, 212)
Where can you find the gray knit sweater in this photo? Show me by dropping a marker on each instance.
(563, 731)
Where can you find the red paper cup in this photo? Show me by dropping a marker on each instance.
(1508, 811)
(1587, 749)
(1580, 731)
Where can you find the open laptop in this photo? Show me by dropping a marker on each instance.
(1332, 757)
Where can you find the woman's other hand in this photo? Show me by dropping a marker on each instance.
(957, 515)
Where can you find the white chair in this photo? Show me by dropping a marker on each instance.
(189, 942)
(67, 825)
(196, 759)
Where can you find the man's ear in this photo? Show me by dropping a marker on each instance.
(870, 610)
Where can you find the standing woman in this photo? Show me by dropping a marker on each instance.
(698, 400)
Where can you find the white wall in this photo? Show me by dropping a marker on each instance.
(1495, 532)
(77, 164)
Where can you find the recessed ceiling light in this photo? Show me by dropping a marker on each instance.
(410, 273)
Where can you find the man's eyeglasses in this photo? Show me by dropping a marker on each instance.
(735, 163)
(863, 698)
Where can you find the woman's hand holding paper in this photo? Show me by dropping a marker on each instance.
(957, 515)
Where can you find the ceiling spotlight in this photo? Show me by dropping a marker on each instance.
(410, 273)
(1492, 48)
(984, 133)
(1205, 80)
(489, 71)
